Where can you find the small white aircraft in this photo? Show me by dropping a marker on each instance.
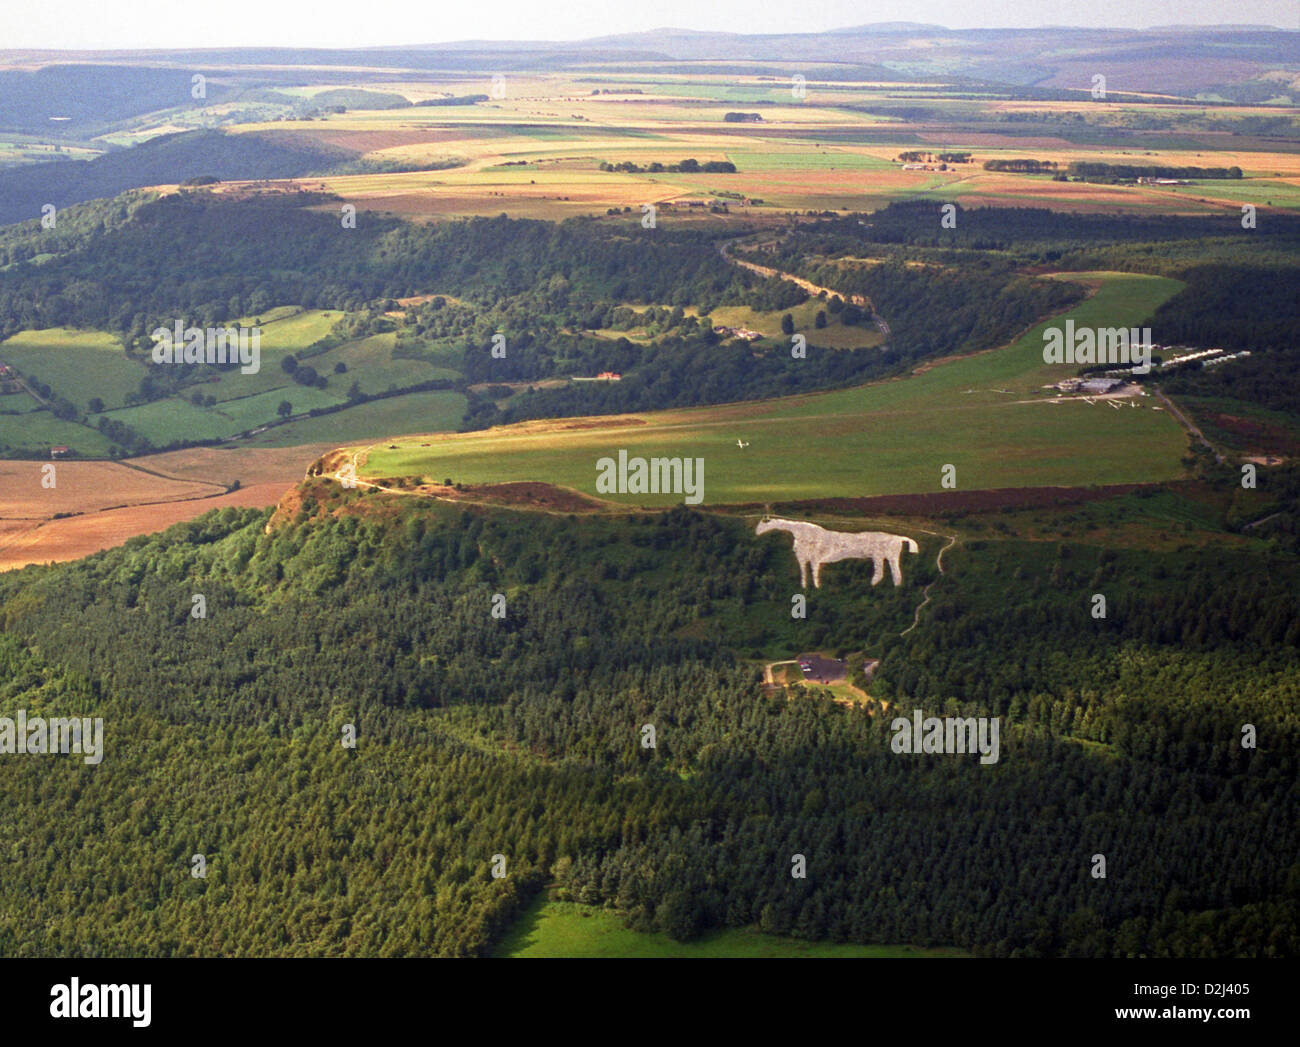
(742, 444)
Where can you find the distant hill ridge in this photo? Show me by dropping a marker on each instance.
(166, 160)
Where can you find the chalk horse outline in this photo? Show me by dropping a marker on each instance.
(816, 546)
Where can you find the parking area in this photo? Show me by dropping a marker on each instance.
(817, 668)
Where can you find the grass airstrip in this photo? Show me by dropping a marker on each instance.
(988, 415)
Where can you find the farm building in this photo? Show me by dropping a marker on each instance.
(1100, 385)
(1091, 386)
(738, 332)
(58, 452)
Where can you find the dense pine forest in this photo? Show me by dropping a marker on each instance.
(520, 736)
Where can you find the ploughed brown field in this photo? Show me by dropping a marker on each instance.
(98, 505)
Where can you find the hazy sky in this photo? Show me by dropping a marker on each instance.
(93, 24)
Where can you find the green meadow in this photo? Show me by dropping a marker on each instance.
(80, 365)
(77, 365)
(554, 929)
(428, 411)
(796, 160)
(284, 330)
(163, 422)
(988, 415)
(370, 362)
(290, 329)
(35, 433)
(1254, 191)
(834, 335)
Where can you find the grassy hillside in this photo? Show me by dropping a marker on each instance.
(986, 414)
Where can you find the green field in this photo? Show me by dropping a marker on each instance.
(18, 403)
(834, 335)
(163, 422)
(803, 160)
(437, 411)
(985, 414)
(285, 330)
(289, 329)
(1260, 193)
(77, 365)
(566, 929)
(370, 362)
(35, 433)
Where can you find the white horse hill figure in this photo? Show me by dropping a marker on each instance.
(816, 546)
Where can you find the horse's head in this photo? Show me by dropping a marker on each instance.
(764, 526)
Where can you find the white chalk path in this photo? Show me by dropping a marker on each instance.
(938, 562)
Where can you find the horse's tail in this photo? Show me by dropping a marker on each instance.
(911, 545)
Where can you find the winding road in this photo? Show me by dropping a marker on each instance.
(813, 289)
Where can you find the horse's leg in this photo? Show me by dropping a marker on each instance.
(894, 567)
(803, 573)
(817, 574)
(880, 569)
